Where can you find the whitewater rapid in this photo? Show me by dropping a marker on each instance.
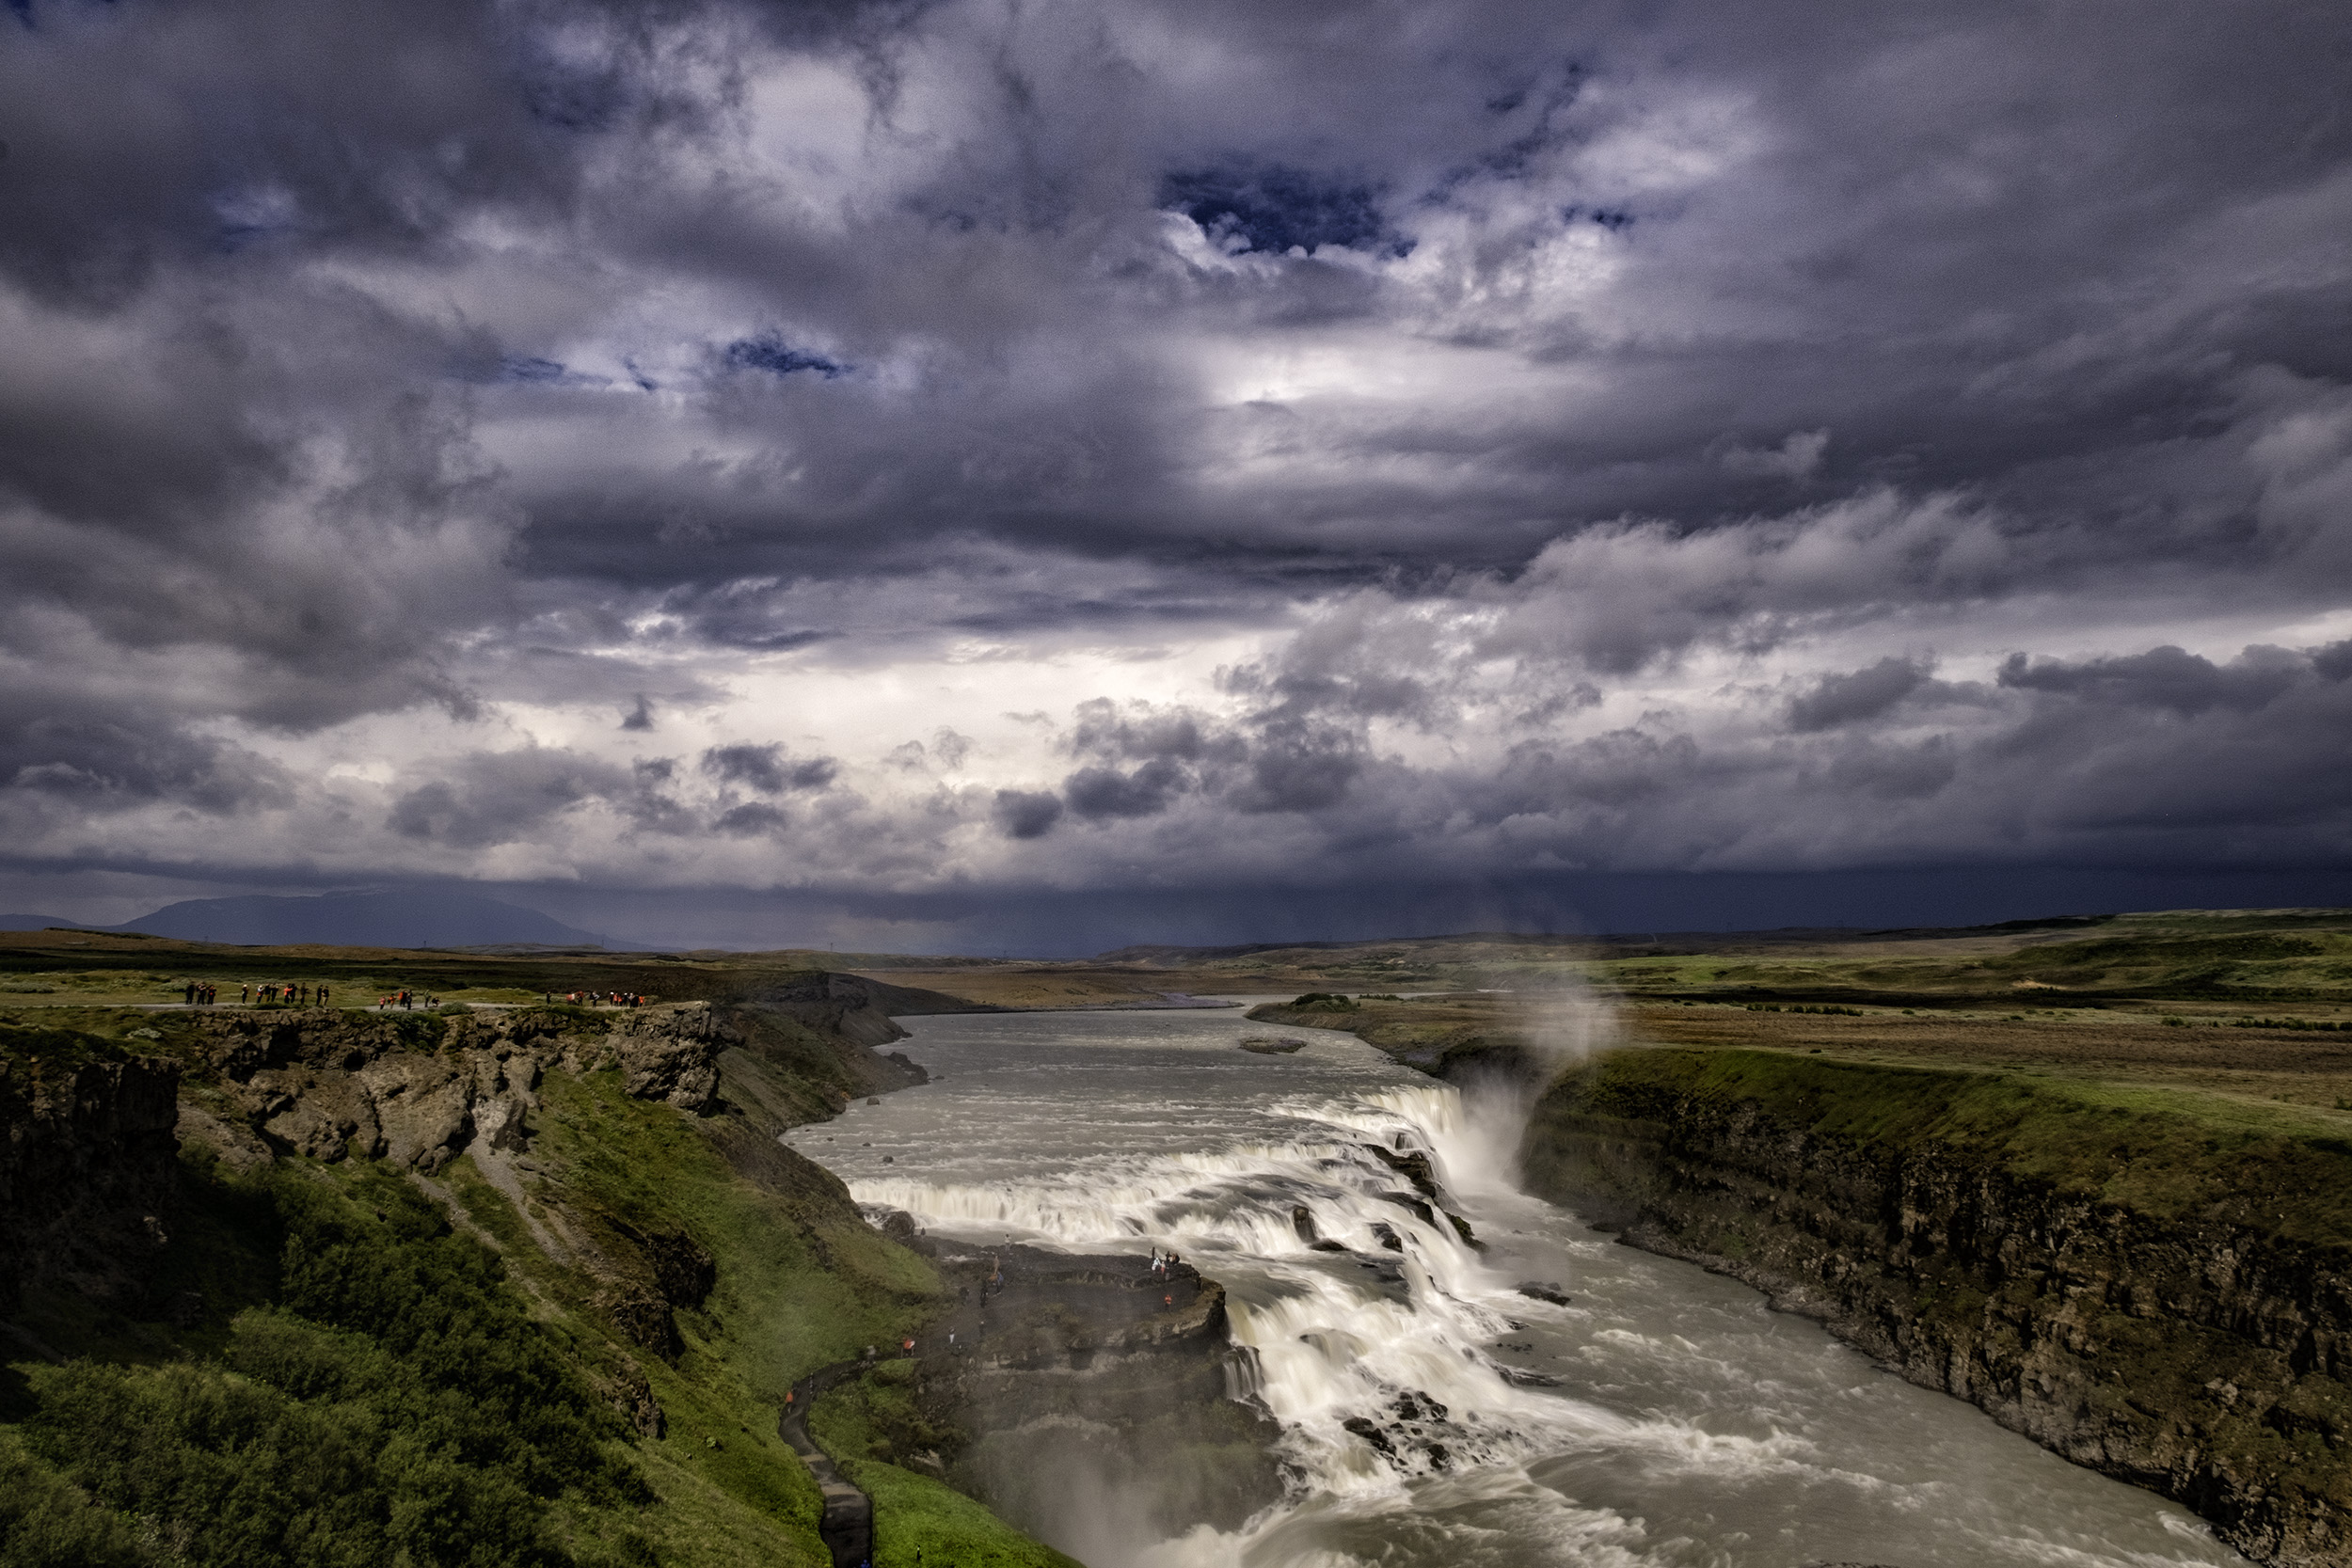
(1432, 1413)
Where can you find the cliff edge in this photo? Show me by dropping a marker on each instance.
(2157, 1286)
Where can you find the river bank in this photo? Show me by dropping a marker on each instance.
(2157, 1286)
(2127, 1239)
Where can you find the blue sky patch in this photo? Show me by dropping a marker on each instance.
(769, 352)
(1271, 207)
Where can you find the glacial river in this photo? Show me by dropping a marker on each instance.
(1688, 1425)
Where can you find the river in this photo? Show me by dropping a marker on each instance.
(1683, 1423)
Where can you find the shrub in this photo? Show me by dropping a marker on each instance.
(397, 1403)
(1325, 1001)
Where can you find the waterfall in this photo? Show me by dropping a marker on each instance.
(1371, 1359)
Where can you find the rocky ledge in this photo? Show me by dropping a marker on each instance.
(416, 1089)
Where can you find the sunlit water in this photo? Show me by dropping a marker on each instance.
(1690, 1426)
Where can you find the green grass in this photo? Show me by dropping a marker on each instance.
(2169, 1154)
(863, 1422)
(362, 1350)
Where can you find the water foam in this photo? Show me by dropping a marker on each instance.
(1375, 1372)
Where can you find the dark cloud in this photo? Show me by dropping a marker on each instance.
(1094, 793)
(1025, 812)
(1836, 700)
(767, 768)
(498, 798)
(1632, 438)
(2164, 677)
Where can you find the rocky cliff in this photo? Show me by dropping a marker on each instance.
(416, 1089)
(87, 1164)
(2163, 1299)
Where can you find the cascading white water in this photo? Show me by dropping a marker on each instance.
(1388, 1335)
(1432, 1413)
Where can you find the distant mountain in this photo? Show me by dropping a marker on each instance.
(31, 922)
(390, 919)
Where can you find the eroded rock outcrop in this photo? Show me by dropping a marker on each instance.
(416, 1089)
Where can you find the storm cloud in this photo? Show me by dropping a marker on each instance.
(865, 452)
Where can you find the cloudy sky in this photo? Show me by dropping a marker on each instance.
(1016, 473)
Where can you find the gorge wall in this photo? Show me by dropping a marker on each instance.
(2162, 1298)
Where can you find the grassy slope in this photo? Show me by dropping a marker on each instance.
(801, 1282)
(862, 1424)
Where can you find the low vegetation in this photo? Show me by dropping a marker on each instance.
(379, 1394)
(342, 1364)
(869, 1424)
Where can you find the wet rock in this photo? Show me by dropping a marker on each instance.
(1415, 1168)
(1543, 1289)
(1419, 1407)
(1387, 1236)
(1420, 1211)
(1273, 1047)
(1303, 1223)
(1371, 1432)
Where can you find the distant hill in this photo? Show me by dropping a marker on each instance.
(31, 922)
(385, 919)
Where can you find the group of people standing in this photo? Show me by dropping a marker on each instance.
(203, 994)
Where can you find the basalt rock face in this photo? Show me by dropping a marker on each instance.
(2206, 1359)
(847, 1006)
(416, 1089)
(1094, 1388)
(87, 1174)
